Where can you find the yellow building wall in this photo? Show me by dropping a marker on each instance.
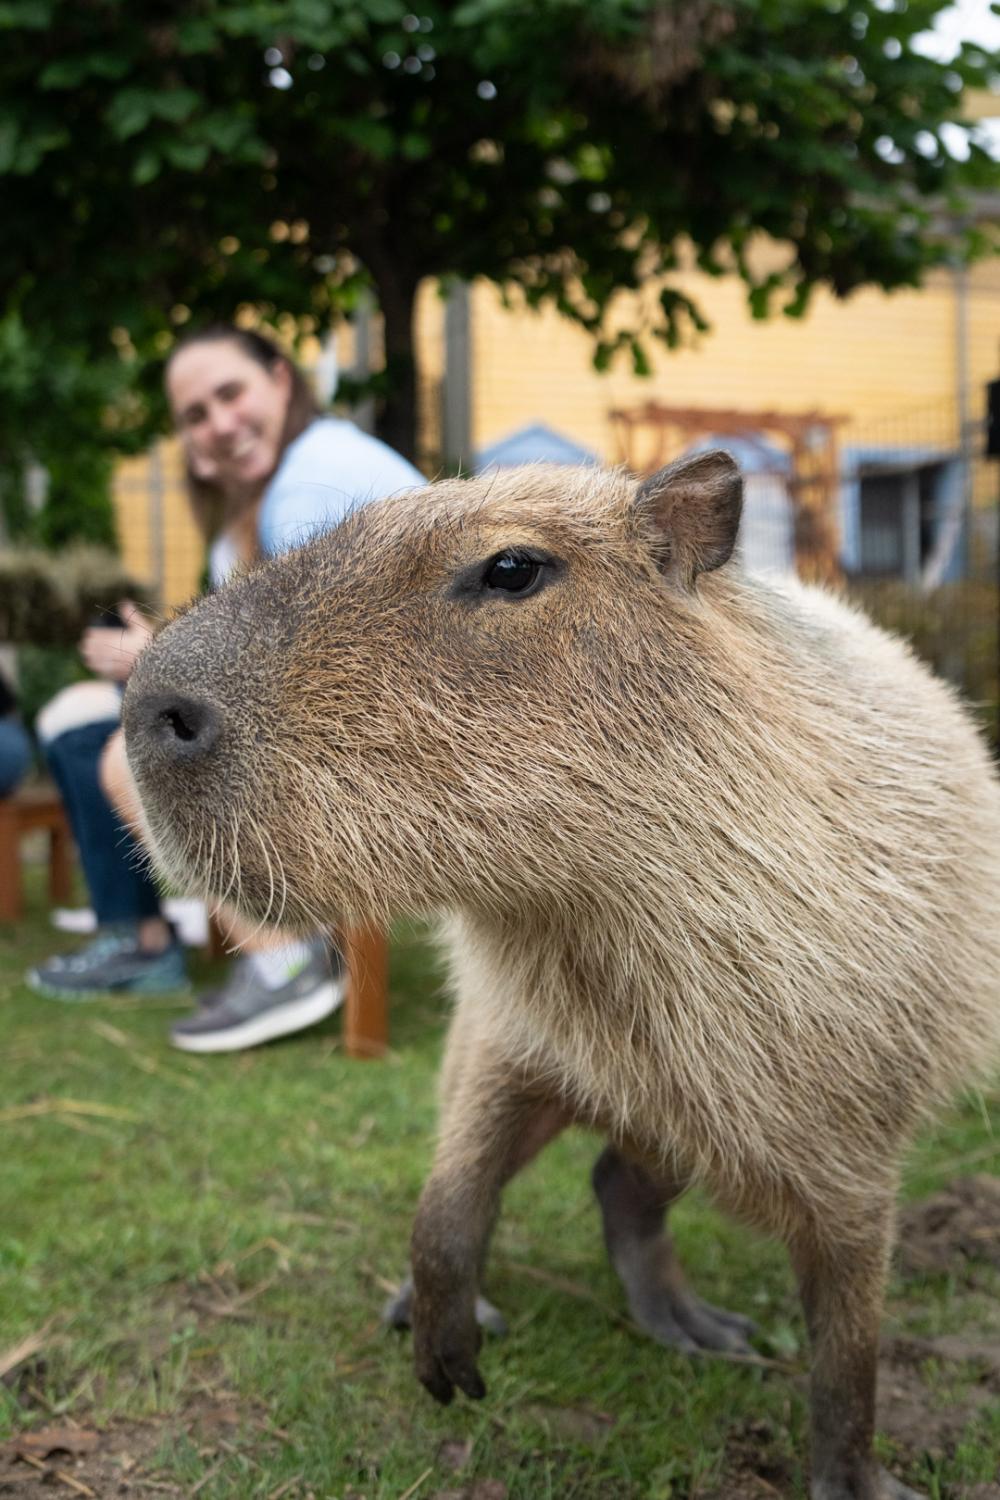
(157, 537)
(875, 358)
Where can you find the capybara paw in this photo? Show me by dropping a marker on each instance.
(874, 1484)
(444, 1368)
(396, 1312)
(891, 1488)
(490, 1317)
(679, 1320)
(446, 1341)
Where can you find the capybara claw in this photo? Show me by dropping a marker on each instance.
(448, 1374)
(440, 1387)
(473, 1385)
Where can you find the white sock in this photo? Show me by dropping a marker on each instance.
(276, 966)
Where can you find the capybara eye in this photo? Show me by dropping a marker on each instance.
(512, 572)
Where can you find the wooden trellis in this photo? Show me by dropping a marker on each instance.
(647, 437)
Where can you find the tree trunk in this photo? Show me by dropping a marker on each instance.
(396, 412)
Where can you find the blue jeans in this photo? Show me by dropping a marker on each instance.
(113, 863)
(15, 754)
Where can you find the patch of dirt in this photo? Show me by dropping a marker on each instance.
(754, 1469)
(26, 1380)
(918, 1421)
(955, 1227)
(70, 1460)
(454, 1453)
(981, 1357)
(918, 1418)
(573, 1424)
(66, 1458)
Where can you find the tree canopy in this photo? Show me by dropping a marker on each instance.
(164, 161)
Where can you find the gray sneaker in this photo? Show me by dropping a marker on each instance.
(111, 963)
(245, 1013)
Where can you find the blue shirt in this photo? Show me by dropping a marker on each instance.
(329, 470)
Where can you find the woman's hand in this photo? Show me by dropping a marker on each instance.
(110, 651)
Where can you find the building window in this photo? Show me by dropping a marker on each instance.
(897, 520)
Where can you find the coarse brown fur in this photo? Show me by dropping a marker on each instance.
(719, 858)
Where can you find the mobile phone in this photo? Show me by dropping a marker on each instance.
(107, 618)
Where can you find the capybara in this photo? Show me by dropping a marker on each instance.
(719, 862)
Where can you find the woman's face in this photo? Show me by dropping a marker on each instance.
(229, 412)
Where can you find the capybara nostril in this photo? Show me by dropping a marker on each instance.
(175, 724)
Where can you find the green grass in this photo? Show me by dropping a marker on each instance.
(208, 1258)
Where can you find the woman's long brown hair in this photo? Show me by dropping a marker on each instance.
(213, 510)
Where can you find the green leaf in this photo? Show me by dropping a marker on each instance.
(246, 20)
(23, 151)
(640, 360)
(174, 105)
(603, 353)
(224, 132)
(373, 137)
(384, 12)
(130, 111)
(26, 15)
(799, 305)
(70, 72)
(190, 156)
(8, 145)
(759, 301)
(415, 146)
(194, 35)
(147, 166)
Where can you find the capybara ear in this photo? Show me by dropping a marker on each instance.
(692, 508)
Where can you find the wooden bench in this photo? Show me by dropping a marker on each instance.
(35, 806)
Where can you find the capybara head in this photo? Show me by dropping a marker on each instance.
(443, 700)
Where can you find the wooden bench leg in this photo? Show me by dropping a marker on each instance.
(366, 1021)
(60, 865)
(11, 898)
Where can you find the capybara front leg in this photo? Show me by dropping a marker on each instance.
(633, 1205)
(842, 1286)
(483, 1147)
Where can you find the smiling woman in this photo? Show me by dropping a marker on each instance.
(265, 471)
(238, 404)
(229, 412)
